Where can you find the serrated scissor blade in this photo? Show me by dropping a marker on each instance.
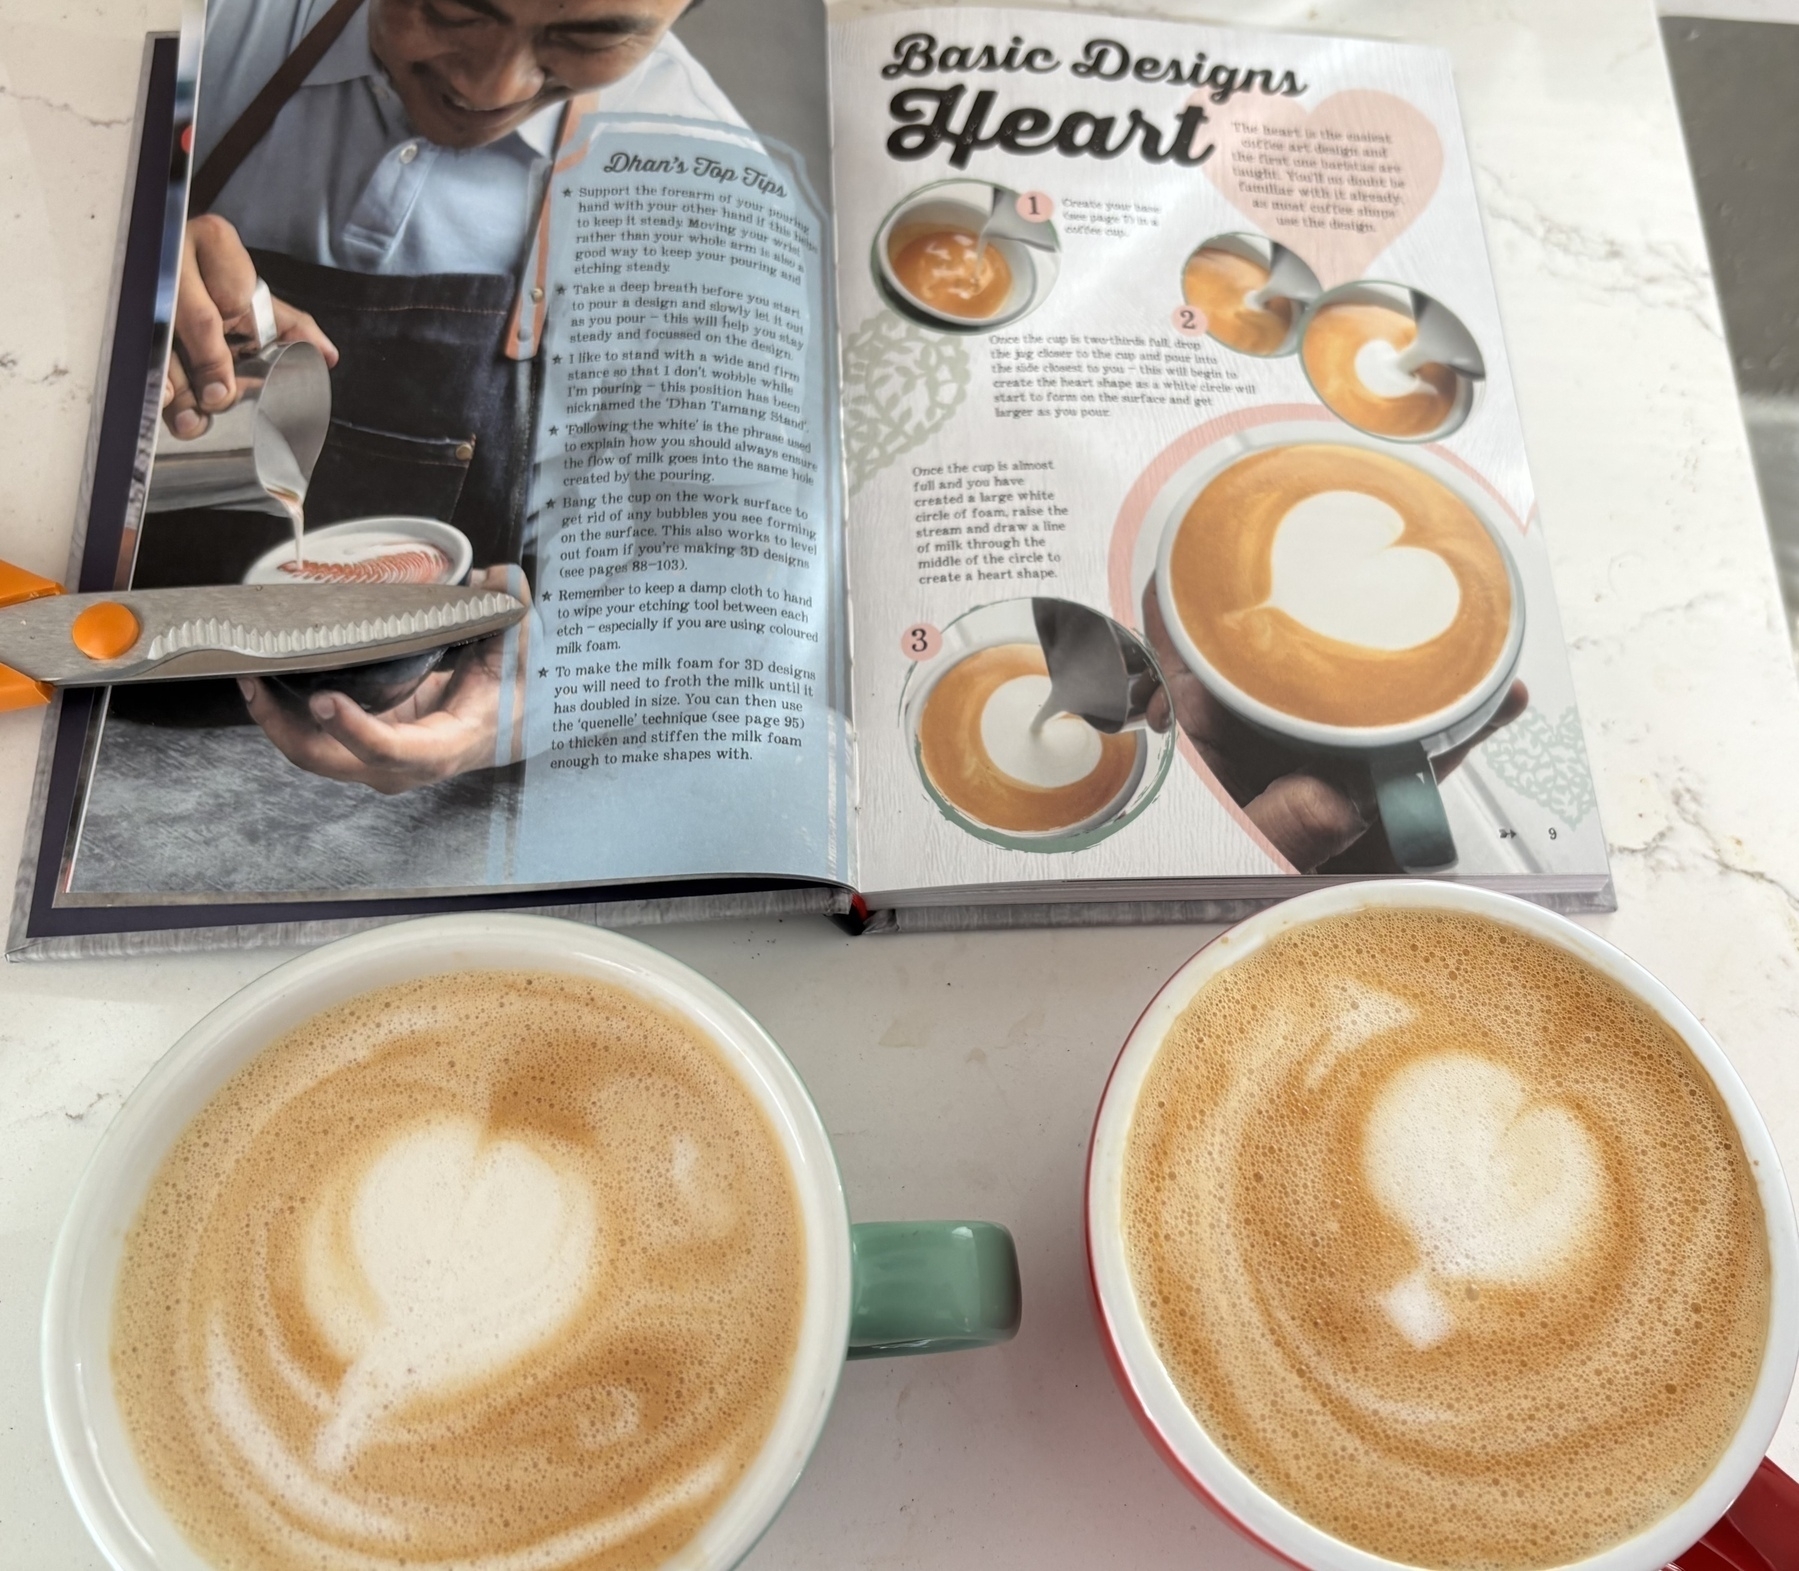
(251, 629)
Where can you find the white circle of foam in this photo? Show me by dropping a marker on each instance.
(1377, 368)
(1063, 750)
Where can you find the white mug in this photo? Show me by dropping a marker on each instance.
(1147, 1386)
(876, 1289)
(1399, 755)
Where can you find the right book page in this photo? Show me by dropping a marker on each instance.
(1191, 535)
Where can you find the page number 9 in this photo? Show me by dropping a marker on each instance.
(920, 641)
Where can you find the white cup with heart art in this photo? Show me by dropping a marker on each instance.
(1347, 599)
(1425, 1229)
(489, 1242)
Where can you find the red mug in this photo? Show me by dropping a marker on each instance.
(1744, 1516)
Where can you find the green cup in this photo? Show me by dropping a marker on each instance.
(874, 1289)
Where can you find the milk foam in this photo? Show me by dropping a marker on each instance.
(462, 1255)
(1493, 1186)
(498, 1274)
(1446, 1241)
(1377, 368)
(1062, 750)
(1337, 570)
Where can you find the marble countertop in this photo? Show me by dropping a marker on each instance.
(958, 1074)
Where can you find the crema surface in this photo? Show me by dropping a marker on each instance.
(980, 747)
(1351, 350)
(495, 1271)
(1446, 1241)
(951, 270)
(1221, 283)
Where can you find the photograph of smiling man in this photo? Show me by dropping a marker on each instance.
(381, 171)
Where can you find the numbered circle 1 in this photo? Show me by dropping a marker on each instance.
(1036, 207)
(920, 641)
(1189, 321)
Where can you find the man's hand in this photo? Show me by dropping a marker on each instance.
(1310, 807)
(212, 304)
(447, 727)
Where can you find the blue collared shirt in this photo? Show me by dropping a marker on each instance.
(342, 179)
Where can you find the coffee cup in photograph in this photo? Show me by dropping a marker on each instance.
(958, 256)
(1000, 767)
(384, 550)
(1348, 600)
(1390, 361)
(381, 550)
(1426, 1229)
(1252, 291)
(477, 1242)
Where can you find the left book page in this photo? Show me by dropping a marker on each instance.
(581, 347)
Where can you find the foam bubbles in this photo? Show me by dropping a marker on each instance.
(1447, 1241)
(1491, 1186)
(1418, 1311)
(504, 1275)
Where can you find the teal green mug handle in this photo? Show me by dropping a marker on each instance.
(931, 1287)
(1411, 809)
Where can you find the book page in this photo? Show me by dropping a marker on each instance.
(587, 358)
(1191, 531)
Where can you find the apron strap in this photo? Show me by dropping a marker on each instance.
(531, 306)
(252, 125)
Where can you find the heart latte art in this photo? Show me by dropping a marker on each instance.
(1341, 586)
(1446, 1241)
(500, 1272)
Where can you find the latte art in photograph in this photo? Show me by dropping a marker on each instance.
(984, 747)
(1352, 351)
(1446, 1241)
(1224, 284)
(1341, 586)
(497, 1271)
(954, 271)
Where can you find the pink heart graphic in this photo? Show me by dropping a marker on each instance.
(1337, 185)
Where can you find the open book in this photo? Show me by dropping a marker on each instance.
(1112, 506)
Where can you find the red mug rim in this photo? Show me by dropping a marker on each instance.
(1148, 1390)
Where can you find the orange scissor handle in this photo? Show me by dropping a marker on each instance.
(17, 690)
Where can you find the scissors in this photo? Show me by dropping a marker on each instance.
(49, 639)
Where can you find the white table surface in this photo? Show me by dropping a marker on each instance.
(958, 1074)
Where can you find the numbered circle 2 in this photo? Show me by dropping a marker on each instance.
(1036, 207)
(920, 641)
(1189, 321)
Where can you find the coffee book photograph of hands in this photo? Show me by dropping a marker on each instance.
(962, 467)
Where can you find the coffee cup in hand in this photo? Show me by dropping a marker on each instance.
(1348, 601)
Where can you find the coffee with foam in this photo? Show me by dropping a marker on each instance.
(953, 271)
(1341, 586)
(495, 1271)
(1352, 351)
(1447, 1241)
(983, 747)
(1224, 284)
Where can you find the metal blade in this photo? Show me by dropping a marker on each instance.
(251, 629)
